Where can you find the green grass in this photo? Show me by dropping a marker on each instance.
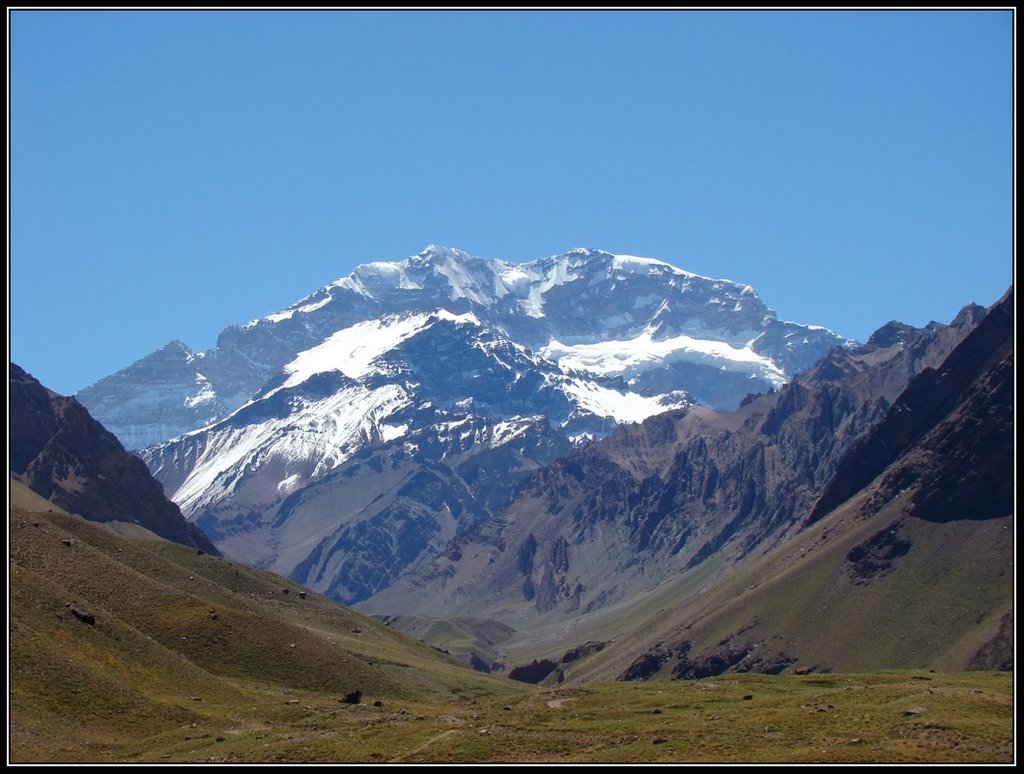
(195, 658)
(800, 600)
(180, 637)
(834, 718)
(459, 636)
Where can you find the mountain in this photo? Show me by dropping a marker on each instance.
(671, 512)
(346, 440)
(59, 451)
(958, 419)
(911, 566)
(637, 318)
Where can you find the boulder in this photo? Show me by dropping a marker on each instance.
(533, 673)
(83, 615)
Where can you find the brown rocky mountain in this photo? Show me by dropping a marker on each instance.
(60, 452)
(674, 511)
(912, 568)
(958, 466)
(617, 517)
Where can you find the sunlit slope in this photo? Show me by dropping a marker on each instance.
(849, 594)
(179, 637)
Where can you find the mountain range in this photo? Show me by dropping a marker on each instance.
(600, 314)
(582, 454)
(860, 518)
(345, 440)
(495, 461)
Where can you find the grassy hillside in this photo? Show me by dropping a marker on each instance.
(195, 658)
(472, 640)
(936, 605)
(181, 638)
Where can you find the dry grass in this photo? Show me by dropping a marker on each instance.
(194, 658)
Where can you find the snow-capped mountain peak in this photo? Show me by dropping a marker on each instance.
(601, 313)
(398, 405)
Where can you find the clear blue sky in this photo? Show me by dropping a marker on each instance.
(175, 172)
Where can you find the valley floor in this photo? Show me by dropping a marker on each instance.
(883, 717)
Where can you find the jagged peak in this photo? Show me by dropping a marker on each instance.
(971, 315)
(433, 253)
(435, 249)
(586, 252)
(891, 333)
(172, 350)
(176, 346)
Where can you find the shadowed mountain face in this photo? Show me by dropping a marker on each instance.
(63, 454)
(949, 433)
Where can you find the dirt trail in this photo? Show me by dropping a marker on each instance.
(557, 703)
(425, 745)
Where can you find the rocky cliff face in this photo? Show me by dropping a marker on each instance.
(952, 427)
(63, 454)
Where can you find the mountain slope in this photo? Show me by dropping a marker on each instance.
(62, 453)
(913, 570)
(686, 490)
(120, 645)
(930, 399)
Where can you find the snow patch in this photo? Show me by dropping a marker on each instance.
(352, 350)
(275, 317)
(391, 432)
(204, 394)
(289, 485)
(503, 432)
(636, 265)
(515, 278)
(643, 353)
(315, 305)
(622, 407)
